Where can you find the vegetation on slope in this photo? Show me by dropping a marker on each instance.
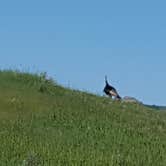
(43, 123)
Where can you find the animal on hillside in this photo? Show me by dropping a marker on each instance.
(110, 90)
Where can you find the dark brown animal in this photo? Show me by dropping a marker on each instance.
(110, 90)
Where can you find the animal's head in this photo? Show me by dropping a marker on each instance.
(106, 81)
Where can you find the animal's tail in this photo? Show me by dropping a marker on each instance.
(118, 97)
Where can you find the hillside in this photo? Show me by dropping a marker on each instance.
(43, 123)
(156, 107)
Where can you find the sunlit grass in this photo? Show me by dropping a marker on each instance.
(43, 123)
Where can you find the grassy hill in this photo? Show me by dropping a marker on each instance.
(156, 107)
(45, 124)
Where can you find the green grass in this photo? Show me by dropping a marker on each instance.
(45, 124)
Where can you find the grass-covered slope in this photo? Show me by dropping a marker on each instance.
(45, 124)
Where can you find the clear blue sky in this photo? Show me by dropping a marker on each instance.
(79, 42)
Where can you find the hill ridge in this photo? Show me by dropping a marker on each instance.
(46, 124)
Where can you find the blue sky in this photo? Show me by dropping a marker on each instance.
(79, 42)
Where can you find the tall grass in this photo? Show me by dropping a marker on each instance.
(43, 123)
